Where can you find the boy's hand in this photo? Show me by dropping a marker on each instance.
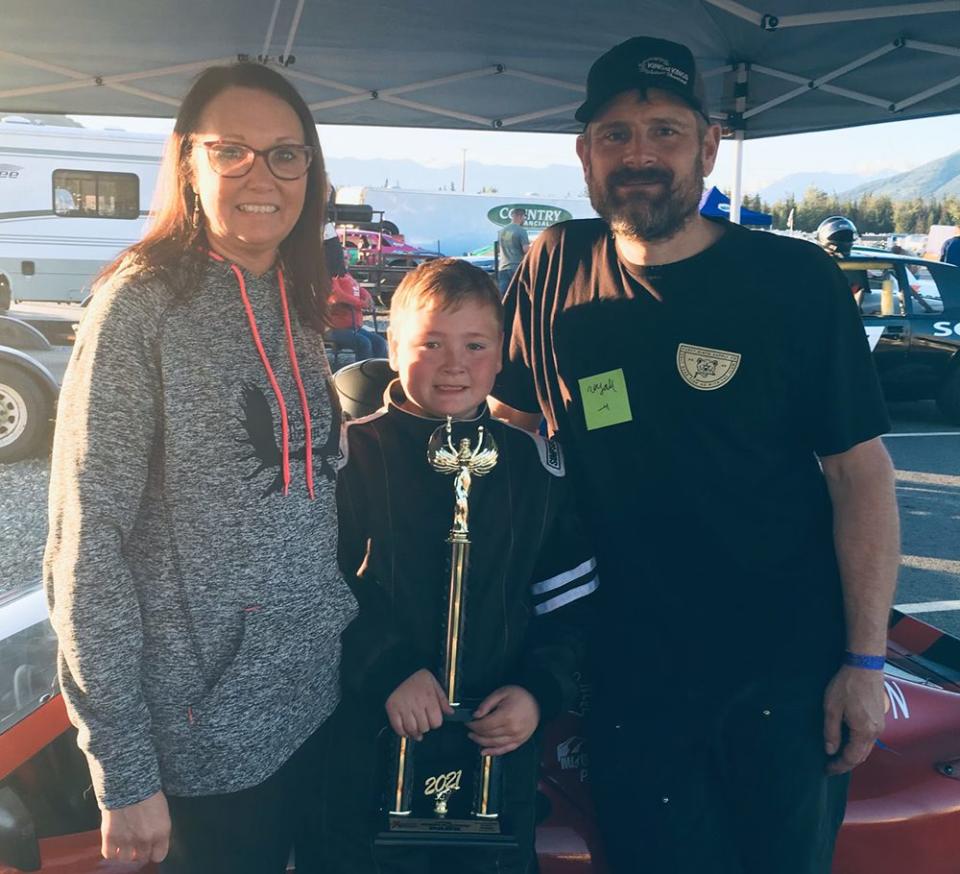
(417, 705)
(504, 720)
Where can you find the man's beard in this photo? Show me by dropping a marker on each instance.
(643, 215)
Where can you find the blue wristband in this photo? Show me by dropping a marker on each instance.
(868, 662)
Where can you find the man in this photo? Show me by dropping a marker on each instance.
(514, 243)
(727, 455)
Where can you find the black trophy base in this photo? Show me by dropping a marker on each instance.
(445, 762)
(425, 831)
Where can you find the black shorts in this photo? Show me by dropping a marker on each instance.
(730, 787)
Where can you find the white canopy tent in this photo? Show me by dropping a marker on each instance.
(791, 67)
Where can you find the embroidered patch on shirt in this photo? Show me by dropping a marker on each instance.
(706, 369)
(605, 400)
(552, 458)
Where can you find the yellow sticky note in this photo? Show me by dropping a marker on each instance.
(605, 400)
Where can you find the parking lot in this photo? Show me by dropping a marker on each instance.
(927, 457)
(925, 451)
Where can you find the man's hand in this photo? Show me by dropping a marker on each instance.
(137, 833)
(504, 720)
(417, 705)
(855, 698)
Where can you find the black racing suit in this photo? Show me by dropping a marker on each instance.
(530, 569)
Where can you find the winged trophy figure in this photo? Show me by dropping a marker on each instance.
(463, 460)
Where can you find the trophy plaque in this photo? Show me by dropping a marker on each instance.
(440, 790)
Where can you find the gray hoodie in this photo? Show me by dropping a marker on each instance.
(198, 607)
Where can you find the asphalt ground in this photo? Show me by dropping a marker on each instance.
(926, 454)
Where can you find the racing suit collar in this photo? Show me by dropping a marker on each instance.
(394, 397)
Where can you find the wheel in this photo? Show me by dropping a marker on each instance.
(948, 398)
(389, 228)
(24, 415)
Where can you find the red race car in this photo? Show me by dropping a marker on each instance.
(903, 813)
(371, 248)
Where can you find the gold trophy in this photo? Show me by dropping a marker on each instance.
(441, 790)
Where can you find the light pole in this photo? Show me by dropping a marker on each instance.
(463, 169)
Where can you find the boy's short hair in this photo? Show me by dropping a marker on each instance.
(446, 284)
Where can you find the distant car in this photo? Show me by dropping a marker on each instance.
(380, 261)
(916, 243)
(903, 812)
(372, 248)
(911, 313)
(484, 258)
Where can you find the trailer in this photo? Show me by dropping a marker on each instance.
(34, 354)
(455, 222)
(71, 200)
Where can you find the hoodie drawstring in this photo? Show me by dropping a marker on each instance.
(295, 368)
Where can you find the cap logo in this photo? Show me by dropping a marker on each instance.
(662, 67)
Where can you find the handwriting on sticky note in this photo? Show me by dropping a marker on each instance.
(605, 399)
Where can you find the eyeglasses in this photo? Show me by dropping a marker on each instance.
(286, 161)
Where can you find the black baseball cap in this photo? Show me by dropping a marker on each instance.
(643, 62)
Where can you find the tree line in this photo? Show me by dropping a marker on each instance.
(872, 214)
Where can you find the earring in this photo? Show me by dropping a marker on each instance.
(197, 215)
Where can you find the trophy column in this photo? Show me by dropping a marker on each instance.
(421, 793)
(403, 778)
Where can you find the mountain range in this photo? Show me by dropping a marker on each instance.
(934, 180)
(554, 180)
(797, 183)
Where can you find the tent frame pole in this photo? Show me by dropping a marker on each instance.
(806, 19)
(740, 104)
(736, 198)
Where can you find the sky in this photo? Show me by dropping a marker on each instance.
(883, 148)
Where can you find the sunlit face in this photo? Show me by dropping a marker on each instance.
(447, 359)
(644, 162)
(246, 218)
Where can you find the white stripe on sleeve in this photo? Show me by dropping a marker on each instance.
(562, 579)
(565, 597)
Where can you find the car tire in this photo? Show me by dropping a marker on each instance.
(948, 398)
(389, 228)
(25, 412)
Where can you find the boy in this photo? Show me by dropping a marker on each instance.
(530, 568)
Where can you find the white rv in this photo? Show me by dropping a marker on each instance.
(453, 222)
(70, 200)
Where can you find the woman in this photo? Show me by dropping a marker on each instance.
(191, 560)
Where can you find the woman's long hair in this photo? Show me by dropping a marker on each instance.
(173, 249)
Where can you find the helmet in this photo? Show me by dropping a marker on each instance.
(361, 386)
(836, 234)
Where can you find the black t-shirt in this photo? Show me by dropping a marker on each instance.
(692, 426)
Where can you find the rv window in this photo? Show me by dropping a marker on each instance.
(85, 194)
